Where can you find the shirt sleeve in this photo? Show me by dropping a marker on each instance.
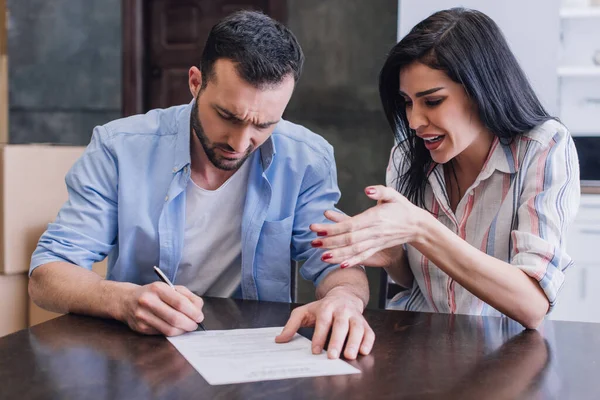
(85, 229)
(319, 193)
(548, 204)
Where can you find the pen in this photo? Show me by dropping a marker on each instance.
(166, 280)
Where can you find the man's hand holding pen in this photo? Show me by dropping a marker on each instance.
(161, 308)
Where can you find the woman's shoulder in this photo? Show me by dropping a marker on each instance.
(547, 133)
(549, 140)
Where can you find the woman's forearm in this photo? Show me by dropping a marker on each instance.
(399, 269)
(503, 286)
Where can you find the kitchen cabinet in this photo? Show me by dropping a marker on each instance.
(579, 299)
(558, 47)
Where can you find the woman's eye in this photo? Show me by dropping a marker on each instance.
(433, 103)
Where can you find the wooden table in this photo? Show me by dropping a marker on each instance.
(416, 355)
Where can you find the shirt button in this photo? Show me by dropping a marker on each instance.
(174, 170)
(185, 169)
(166, 198)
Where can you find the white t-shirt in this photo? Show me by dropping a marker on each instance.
(212, 251)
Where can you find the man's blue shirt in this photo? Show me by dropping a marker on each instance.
(127, 202)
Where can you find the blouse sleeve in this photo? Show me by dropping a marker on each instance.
(548, 203)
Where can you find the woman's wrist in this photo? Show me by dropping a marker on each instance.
(425, 227)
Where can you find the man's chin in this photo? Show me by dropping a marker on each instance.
(228, 164)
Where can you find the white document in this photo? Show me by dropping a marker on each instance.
(251, 355)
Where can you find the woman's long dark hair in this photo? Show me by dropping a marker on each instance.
(470, 48)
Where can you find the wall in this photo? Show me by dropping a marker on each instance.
(65, 78)
(64, 70)
(345, 43)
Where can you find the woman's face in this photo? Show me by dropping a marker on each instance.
(442, 114)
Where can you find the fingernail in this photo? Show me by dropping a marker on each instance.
(370, 190)
(317, 350)
(322, 233)
(326, 256)
(344, 265)
(333, 353)
(365, 349)
(316, 243)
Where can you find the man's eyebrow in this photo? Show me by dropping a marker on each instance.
(232, 115)
(227, 113)
(266, 124)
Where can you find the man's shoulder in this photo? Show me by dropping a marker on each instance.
(296, 140)
(157, 122)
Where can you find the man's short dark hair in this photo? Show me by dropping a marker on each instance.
(264, 50)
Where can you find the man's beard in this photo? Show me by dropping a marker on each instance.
(226, 164)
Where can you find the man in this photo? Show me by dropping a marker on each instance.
(200, 190)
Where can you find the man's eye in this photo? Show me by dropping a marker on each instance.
(231, 119)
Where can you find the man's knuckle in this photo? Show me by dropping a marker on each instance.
(138, 314)
(178, 303)
(145, 299)
(171, 331)
(323, 316)
(297, 311)
(154, 287)
(341, 310)
(172, 320)
(355, 323)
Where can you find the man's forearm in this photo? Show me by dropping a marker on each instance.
(353, 280)
(63, 287)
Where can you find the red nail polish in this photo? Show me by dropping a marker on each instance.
(344, 265)
(370, 190)
(326, 256)
(322, 233)
(316, 243)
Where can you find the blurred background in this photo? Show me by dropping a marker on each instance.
(68, 65)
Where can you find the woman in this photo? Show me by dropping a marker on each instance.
(482, 184)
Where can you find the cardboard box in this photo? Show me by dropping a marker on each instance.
(37, 315)
(32, 190)
(13, 303)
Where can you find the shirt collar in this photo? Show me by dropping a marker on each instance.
(182, 146)
(502, 157)
(267, 152)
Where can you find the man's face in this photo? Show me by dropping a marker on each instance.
(231, 117)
